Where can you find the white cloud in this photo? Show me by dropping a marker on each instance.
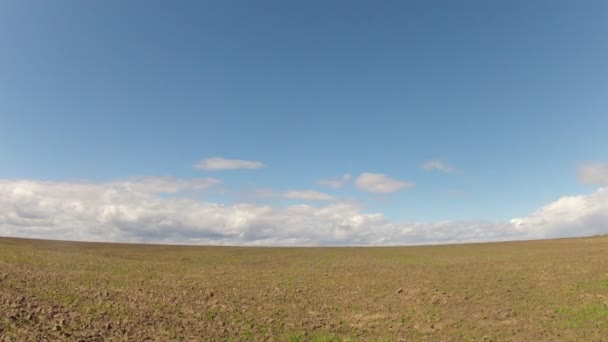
(218, 163)
(379, 183)
(336, 183)
(115, 212)
(568, 216)
(134, 211)
(308, 195)
(168, 185)
(596, 174)
(437, 165)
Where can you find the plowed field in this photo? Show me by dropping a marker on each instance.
(521, 291)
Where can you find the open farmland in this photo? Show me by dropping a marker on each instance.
(532, 290)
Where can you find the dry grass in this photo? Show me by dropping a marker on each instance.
(523, 291)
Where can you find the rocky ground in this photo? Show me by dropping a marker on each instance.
(520, 291)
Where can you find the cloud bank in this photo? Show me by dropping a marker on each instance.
(139, 211)
(568, 216)
(218, 163)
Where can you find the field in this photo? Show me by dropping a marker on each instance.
(521, 291)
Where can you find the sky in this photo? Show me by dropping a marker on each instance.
(303, 122)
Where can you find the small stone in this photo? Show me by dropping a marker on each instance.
(57, 328)
(399, 291)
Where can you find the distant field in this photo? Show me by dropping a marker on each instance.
(524, 291)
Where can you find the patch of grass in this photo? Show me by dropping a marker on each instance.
(591, 314)
(63, 297)
(317, 337)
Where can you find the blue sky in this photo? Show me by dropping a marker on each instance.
(511, 94)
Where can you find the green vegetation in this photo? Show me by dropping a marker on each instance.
(589, 314)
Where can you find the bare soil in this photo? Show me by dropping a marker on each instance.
(513, 291)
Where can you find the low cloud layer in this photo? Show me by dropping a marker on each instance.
(218, 163)
(380, 183)
(596, 174)
(138, 211)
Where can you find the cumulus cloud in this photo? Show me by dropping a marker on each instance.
(380, 183)
(596, 174)
(336, 183)
(135, 211)
(568, 216)
(218, 163)
(308, 195)
(437, 165)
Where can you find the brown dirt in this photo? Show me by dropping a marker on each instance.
(519, 291)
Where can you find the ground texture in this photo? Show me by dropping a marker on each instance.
(520, 291)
